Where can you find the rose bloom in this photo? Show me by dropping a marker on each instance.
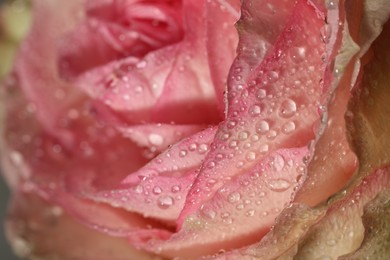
(199, 129)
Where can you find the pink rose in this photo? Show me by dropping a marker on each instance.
(119, 145)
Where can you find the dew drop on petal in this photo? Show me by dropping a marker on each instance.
(298, 54)
(255, 110)
(243, 135)
(182, 153)
(288, 127)
(262, 127)
(272, 76)
(207, 212)
(138, 189)
(234, 197)
(165, 202)
(278, 162)
(261, 94)
(288, 108)
(250, 156)
(157, 190)
(250, 213)
(203, 148)
(156, 139)
(175, 188)
(278, 185)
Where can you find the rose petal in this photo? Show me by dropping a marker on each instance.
(31, 219)
(158, 189)
(273, 112)
(134, 90)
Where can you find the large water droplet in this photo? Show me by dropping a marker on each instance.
(255, 110)
(288, 108)
(279, 185)
(165, 202)
(207, 212)
(156, 139)
(298, 54)
(278, 162)
(272, 76)
(262, 127)
(288, 127)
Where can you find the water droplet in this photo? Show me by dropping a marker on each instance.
(233, 143)
(156, 139)
(240, 206)
(278, 162)
(243, 135)
(272, 76)
(157, 190)
(138, 89)
(262, 127)
(211, 165)
(331, 242)
(225, 215)
(234, 197)
(272, 134)
(261, 94)
(250, 213)
(288, 127)
(207, 212)
(331, 4)
(182, 153)
(264, 148)
(250, 156)
(203, 148)
(138, 189)
(240, 164)
(288, 108)
(225, 136)
(231, 124)
(192, 147)
(255, 138)
(211, 182)
(141, 64)
(165, 202)
(255, 110)
(279, 185)
(175, 188)
(297, 54)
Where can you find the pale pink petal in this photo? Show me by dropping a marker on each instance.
(159, 189)
(166, 85)
(158, 136)
(241, 211)
(222, 40)
(276, 107)
(35, 65)
(327, 232)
